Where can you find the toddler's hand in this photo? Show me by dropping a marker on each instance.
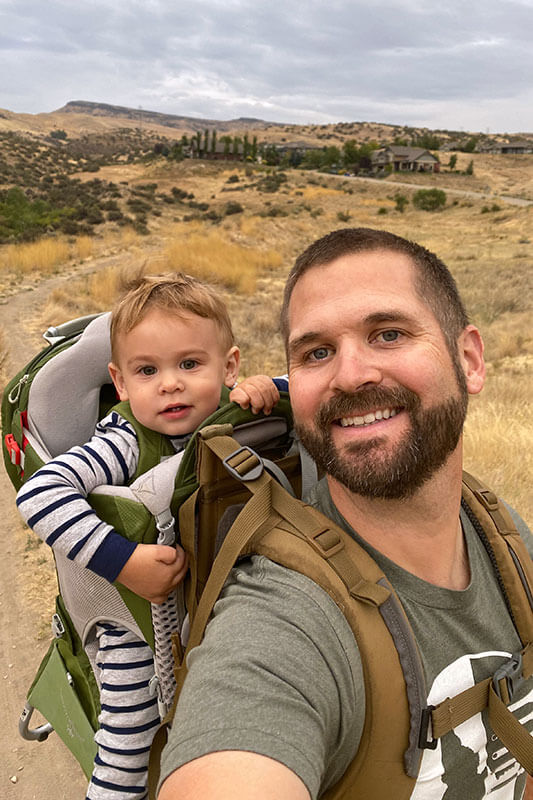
(154, 570)
(259, 392)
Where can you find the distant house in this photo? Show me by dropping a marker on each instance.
(519, 146)
(404, 159)
(296, 147)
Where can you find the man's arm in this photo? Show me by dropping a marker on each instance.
(232, 775)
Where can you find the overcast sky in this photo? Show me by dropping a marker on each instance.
(456, 64)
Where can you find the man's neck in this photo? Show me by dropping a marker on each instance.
(422, 534)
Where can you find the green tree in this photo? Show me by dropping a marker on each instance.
(331, 157)
(429, 199)
(470, 145)
(428, 141)
(313, 159)
(227, 143)
(470, 168)
(453, 161)
(214, 141)
(270, 155)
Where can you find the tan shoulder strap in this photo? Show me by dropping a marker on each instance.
(514, 569)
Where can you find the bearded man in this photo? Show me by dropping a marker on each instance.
(381, 359)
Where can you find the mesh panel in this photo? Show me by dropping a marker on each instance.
(91, 599)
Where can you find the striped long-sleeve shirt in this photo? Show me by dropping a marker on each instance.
(53, 501)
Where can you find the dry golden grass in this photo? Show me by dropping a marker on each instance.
(83, 247)
(213, 257)
(44, 256)
(499, 439)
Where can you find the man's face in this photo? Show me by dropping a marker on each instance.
(374, 389)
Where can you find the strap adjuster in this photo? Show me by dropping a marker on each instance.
(508, 678)
(487, 498)
(326, 542)
(426, 741)
(244, 464)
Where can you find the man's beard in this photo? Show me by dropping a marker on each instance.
(369, 468)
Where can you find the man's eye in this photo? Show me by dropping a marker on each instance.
(319, 354)
(390, 336)
(148, 370)
(188, 363)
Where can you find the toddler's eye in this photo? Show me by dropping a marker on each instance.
(148, 370)
(188, 363)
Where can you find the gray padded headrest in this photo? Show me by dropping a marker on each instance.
(63, 403)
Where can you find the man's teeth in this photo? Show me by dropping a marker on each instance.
(369, 418)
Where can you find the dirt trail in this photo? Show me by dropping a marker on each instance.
(29, 770)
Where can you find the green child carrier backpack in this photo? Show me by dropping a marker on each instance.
(235, 492)
(52, 404)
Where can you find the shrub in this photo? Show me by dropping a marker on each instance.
(272, 182)
(233, 208)
(343, 216)
(429, 199)
(401, 201)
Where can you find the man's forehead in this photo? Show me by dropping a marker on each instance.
(384, 271)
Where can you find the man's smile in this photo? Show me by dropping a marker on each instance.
(367, 419)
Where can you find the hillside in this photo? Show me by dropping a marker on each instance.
(82, 117)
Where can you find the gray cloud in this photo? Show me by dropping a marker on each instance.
(405, 61)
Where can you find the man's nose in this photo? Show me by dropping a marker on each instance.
(353, 368)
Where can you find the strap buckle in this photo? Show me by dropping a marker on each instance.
(16, 454)
(508, 678)
(58, 629)
(244, 464)
(426, 741)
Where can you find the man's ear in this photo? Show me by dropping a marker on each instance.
(118, 380)
(231, 368)
(471, 355)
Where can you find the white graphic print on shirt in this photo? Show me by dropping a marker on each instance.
(471, 744)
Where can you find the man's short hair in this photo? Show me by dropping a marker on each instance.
(433, 280)
(174, 292)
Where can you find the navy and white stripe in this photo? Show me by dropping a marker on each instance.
(128, 718)
(53, 501)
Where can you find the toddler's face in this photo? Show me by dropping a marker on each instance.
(171, 369)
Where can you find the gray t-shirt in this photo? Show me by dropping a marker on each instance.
(279, 674)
